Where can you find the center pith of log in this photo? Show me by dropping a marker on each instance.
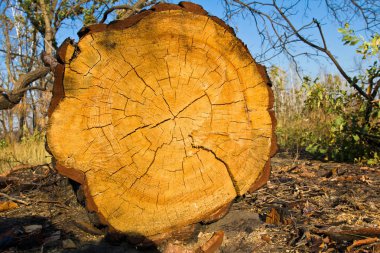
(164, 119)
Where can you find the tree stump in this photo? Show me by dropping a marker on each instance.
(164, 118)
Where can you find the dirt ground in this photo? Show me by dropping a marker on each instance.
(307, 206)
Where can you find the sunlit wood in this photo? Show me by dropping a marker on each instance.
(164, 120)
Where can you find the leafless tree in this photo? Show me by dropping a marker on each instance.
(276, 24)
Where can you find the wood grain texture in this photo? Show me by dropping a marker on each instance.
(164, 118)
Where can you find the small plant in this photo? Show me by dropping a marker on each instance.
(334, 123)
(343, 133)
(3, 144)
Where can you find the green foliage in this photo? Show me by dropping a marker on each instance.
(331, 124)
(334, 122)
(343, 133)
(30, 9)
(349, 37)
(3, 144)
(366, 48)
(88, 11)
(88, 17)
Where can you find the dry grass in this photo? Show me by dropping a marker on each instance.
(29, 151)
(294, 130)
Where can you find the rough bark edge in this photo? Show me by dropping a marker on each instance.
(265, 174)
(79, 176)
(59, 71)
(133, 20)
(75, 175)
(182, 234)
(58, 94)
(218, 214)
(262, 179)
(264, 74)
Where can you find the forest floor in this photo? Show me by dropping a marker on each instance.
(307, 206)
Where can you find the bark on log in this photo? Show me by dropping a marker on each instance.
(163, 117)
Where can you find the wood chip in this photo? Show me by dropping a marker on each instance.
(273, 217)
(7, 205)
(266, 238)
(213, 244)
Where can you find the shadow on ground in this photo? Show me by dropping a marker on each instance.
(307, 206)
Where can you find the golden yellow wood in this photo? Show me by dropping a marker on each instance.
(167, 120)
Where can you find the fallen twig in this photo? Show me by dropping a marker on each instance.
(348, 235)
(14, 199)
(15, 168)
(87, 227)
(57, 203)
(362, 242)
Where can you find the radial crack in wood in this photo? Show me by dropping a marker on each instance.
(164, 118)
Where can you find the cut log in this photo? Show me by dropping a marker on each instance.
(164, 118)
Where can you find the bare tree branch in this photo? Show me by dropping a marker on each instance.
(138, 6)
(119, 7)
(10, 99)
(324, 50)
(321, 33)
(130, 9)
(15, 54)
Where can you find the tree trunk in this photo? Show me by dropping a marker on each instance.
(33, 106)
(11, 136)
(163, 117)
(5, 132)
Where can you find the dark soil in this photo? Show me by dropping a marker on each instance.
(307, 206)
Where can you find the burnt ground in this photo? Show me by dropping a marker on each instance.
(307, 206)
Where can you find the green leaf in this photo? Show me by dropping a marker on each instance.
(373, 162)
(320, 95)
(312, 148)
(353, 42)
(339, 121)
(342, 30)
